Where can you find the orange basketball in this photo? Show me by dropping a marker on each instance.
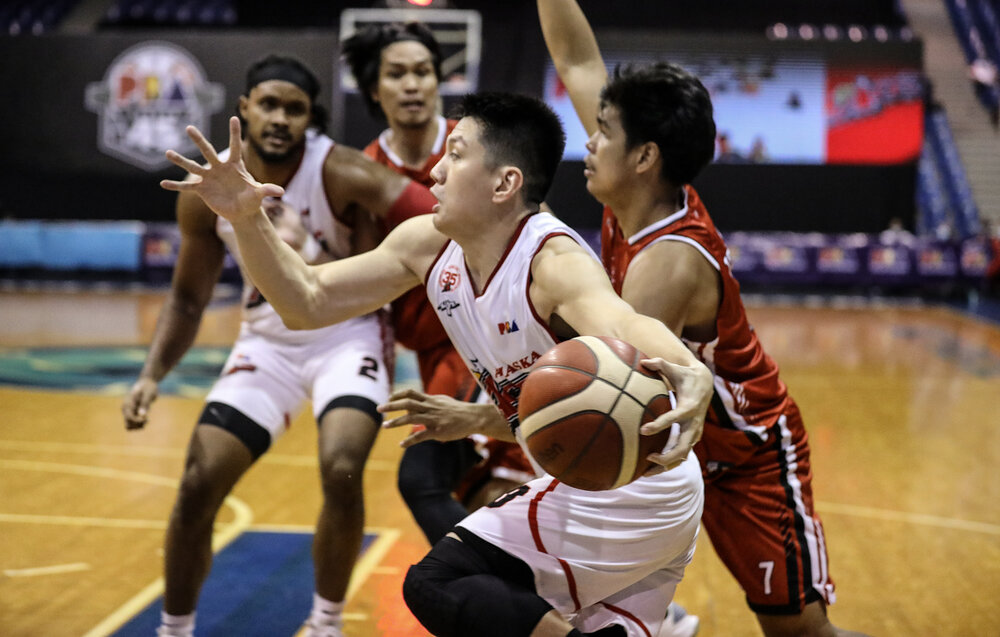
(581, 407)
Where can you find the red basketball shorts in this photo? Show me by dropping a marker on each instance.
(760, 519)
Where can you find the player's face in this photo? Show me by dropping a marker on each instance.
(464, 184)
(605, 163)
(407, 87)
(277, 114)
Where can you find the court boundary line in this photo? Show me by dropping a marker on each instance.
(283, 459)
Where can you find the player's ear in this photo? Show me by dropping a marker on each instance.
(646, 156)
(509, 183)
(242, 107)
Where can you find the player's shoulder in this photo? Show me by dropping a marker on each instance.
(347, 160)
(349, 170)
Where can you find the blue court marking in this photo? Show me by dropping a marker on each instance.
(105, 368)
(114, 369)
(260, 585)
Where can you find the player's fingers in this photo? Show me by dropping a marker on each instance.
(207, 151)
(683, 412)
(660, 423)
(398, 421)
(177, 186)
(235, 139)
(403, 404)
(654, 469)
(408, 393)
(415, 438)
(135, 418)
(669, 460)
(672, 456)
(270, 190)
(189, 165)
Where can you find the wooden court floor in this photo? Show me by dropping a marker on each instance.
(902, 404)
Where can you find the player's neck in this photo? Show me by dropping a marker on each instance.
(414, 144)
(645, 207)
(485, 248)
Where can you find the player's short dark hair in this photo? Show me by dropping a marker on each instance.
(363, 54)
(667, 105)
(521, 131)
(288, 69)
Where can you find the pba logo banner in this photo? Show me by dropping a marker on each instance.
(149, 94)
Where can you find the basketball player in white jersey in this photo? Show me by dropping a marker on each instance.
(546, 559)
(272, 370)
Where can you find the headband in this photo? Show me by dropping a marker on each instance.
(286, 72)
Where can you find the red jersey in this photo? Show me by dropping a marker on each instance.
(415, 322)
(749, 396)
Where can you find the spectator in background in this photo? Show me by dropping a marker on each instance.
(897, 234)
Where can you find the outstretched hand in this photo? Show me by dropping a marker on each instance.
(442, 418)
(225, 186)
(693, 387)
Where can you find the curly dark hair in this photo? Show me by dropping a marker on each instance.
(667, 105)
(363, 54)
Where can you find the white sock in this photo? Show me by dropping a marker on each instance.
(176, 624)
(325, 612)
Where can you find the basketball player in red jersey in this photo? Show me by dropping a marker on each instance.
(651, 132)
(330, 191)
(545, 560)
(397, 68)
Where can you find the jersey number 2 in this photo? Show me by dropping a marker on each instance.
(369, 369)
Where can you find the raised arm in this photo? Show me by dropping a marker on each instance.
(305, 296)
(570, 284)
(574, 51)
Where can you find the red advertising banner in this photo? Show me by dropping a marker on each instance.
(874, 116)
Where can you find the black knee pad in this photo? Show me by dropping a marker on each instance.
(361, 403)
(471, 587)
(256, 438)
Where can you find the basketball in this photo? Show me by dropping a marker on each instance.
(581, 407)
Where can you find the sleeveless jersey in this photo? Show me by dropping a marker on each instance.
(306, 194)
(749, 395)
(497, 332)
(414, 322)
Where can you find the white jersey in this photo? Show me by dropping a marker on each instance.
(497, 332)
(599, 557)
(306, 194)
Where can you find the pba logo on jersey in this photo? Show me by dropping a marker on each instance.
(149, 94)
(507, 327)
(450, 278)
